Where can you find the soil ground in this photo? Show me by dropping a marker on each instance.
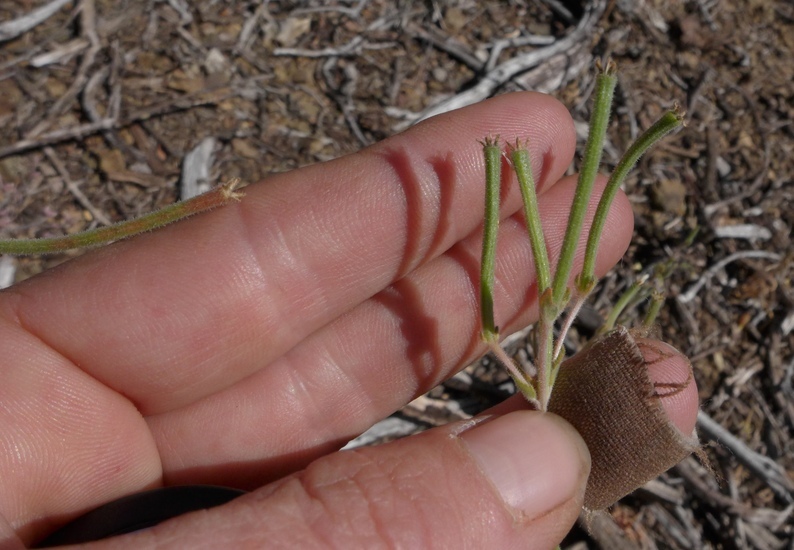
(102, 101)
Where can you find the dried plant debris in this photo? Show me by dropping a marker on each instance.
(102, 101)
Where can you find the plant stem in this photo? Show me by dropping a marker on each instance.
(216, 197)
(599, 120)
(493, 178)
(657, 300)
(666, 124)
(522, 383)
(570, 317)
(621, 305)
(545, 348)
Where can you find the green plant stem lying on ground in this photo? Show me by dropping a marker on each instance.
(554, 294)
(218, 196)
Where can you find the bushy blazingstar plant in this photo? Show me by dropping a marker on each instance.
(555, 297)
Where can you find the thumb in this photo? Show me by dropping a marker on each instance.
(508, 481)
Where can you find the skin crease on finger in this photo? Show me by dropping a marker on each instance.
(144, 349)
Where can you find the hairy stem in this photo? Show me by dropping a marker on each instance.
(657, 300)
(621, 304)
(523, 384)
(570, 317)
(545, 348)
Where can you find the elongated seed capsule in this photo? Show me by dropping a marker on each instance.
(523, 169)
(219, 196)
(666, 124)
(599, 120)
(493, 178)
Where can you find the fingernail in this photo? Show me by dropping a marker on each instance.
(535, 461)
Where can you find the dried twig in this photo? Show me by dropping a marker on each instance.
(714, 497)
(89, 104)
(608, 534)
(16, 27)
(390, 428)
(353, 13)
(108, 123)
(344, 96)
(679, 534)
(74, 189)
(183, 9)
(748, 231)
(509, 69)
(56, 136)
(88, 27)
(764, 467)
(446, 44)
(353, 48)
(690, 294)
(559, 8)
(60, 53)
(249, 26)
(499, 46)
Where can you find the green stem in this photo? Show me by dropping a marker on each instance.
(523, 168)
(621, 305)
(522, 383)
(545, 348)
(657, 300)
(493, 178)
(570, 317)
(102, 235)
(599, 120)
(666, 124)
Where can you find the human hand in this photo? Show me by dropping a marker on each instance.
(246, 346)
